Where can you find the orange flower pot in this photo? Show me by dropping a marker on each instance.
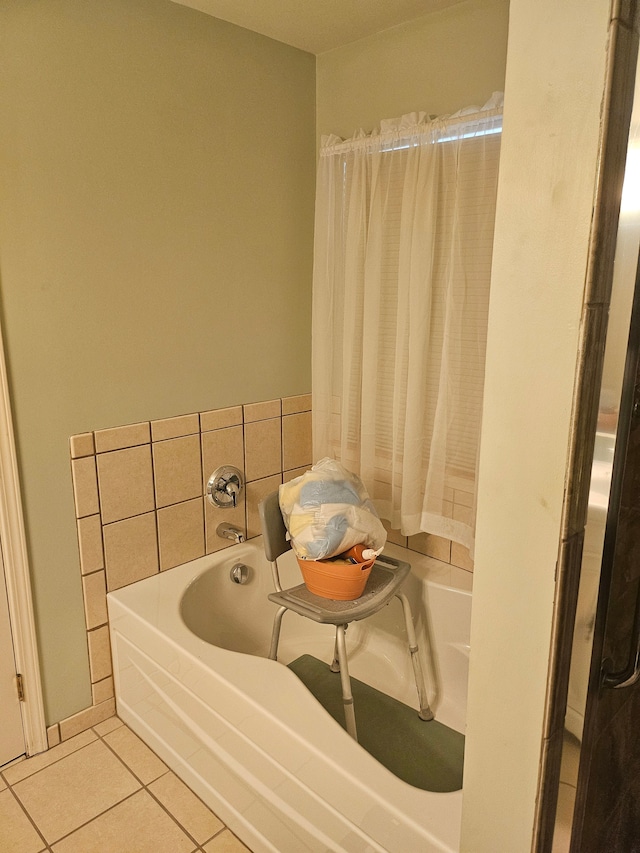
(338, 580)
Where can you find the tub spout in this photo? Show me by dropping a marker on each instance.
(228, 531)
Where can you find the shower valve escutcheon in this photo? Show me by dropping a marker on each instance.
(224, 486)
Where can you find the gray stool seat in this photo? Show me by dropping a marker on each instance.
(383, 584)
(386, 576)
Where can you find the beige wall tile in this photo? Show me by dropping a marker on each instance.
(460, 557)
(287, 476)
(17, 834)
(131, 550)
(94, 588)
(431, 545)
(177, 469)
(103, 690)
(263, 448)
(142, 762)
(53, 735)
(299, 403)
(181, 532)
(222, 447)
(296, 440)
(189, 811)
(84, 720)
(256, 491)
(463, 514)
(394, 535)
(82, 445)
(90, 544)
(85, 486)
(99, 655)
(213, 516)
(220, 418)
(118, 438)
(75, 789)
(261, 411)
(137, 824)
(175, 427)
(462, 498)
(125, 478)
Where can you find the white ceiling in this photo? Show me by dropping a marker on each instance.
(317, 25)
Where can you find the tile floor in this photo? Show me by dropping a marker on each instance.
(104, 791)
(566, 794)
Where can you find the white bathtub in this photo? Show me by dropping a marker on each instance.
(246, 735)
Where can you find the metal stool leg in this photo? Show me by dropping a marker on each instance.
(275, 633)
(347, 697)
(335, 663)
(425, 712)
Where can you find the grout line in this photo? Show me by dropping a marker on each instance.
(172, 816)
(96, 816)
(145, 786)
(122, 761)
(31, 820)
(55, 761)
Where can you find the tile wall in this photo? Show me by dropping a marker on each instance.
(141, 508)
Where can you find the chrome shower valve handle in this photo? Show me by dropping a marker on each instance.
(224, 486)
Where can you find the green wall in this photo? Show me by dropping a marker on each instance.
(156, 217)
(156, 214)
(436, 64)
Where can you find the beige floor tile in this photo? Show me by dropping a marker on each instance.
(17, 835)
(2, 784)
(44, 759)
(226, 842)
(564, 819)
(136, 755)
(107, 726)
(187, 809)
(137, 825)
(570, 759)
(75, 789)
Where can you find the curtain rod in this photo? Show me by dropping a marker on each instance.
(334, 145)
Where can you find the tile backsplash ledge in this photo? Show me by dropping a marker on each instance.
(141, 507)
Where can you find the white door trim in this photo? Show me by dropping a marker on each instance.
(17, 577)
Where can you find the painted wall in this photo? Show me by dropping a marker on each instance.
(438, 64)
(556, 67)
(156, 225)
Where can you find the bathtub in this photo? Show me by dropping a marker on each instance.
(192, 680)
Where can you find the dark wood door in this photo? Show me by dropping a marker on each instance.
(607, 810)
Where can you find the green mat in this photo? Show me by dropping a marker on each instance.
(427, 755)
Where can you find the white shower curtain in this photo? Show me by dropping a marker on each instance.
(404, 232)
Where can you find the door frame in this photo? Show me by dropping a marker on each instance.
(617, 110)
(13, 542)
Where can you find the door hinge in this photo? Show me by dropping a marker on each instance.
(20, 687)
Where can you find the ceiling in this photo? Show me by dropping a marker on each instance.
(317, 25)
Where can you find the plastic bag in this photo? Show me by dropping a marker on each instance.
(327, 511)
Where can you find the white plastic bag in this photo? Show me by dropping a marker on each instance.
(327, 511)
